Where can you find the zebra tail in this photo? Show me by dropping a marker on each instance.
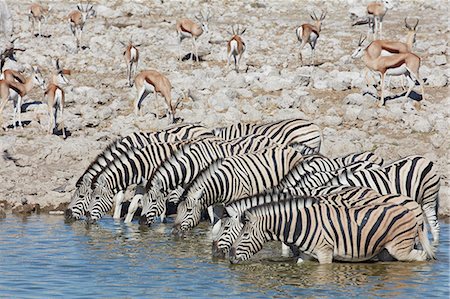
(425, 242)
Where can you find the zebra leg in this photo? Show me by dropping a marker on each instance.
(211, 214)
(325, 256)
(133, 207)
(138, 194)
(118, 199)
(285, 249)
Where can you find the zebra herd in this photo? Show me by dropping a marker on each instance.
(273, 185)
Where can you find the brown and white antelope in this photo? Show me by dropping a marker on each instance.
(152, 81)
(386, 47)
(131, 55)
(395, 65)
(377, 11)
(309, 33)
(56, 97)
(38, 13)
(78, 18)
(187, 28)
(15, 91)
(236, 47)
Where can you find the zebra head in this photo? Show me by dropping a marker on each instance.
(153, 203)
(189, 212)
(249, 241)
(225, 232)
(80, 200)
(102, 200)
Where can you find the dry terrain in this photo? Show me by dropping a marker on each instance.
(272, 85)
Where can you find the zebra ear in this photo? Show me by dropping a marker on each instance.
(231, 212)
(198, 194)
(246, 217)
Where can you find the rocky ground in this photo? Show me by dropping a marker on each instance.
(42, 169)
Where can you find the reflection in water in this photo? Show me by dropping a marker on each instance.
(39, 254)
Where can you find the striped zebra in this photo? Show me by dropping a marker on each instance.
(299, 133)
(232, 178)
(134, 167)
(328, 232)
(227, 229)
(79, 202)
(181, 169)
(413, 176)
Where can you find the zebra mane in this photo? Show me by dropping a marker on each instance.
(201, 176)
(103, 154)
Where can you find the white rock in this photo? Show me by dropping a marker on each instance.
(440, 59)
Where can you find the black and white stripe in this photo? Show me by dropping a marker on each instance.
(413, 176)
(171, 177)
(134, 167)
(328, 232)
(79, 201)
(232, 178)
(299, 133)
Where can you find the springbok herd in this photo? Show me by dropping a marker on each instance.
(257, 182)
(392, 58)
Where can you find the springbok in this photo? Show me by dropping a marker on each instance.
(376, 12)
(78, 18)
(385, 47)
(9, 53)
(395, 65)
(39, 14)
(15, 91)
(55, 98)
(131, 55)
(236, 47)
(308, 33)
(152, 81)
(187, 28)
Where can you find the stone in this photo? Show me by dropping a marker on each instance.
(440, 59)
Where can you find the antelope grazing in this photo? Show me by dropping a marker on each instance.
(188, 29)
(236, 47)
(131, 55)
(55, 98)
(377, 11)
(15, 91)
(39, 14)
(395, 65)
(153, 81)
(78, 18)
(308, 33)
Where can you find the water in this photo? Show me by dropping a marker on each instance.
(41, 256)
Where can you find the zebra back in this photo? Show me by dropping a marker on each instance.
(243, 175)
(292, 132)
(327, 231)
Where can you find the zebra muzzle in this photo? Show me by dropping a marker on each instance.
(216, 251)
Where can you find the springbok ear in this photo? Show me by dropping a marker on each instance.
(80, 7)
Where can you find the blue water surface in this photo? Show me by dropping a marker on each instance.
(41, 256)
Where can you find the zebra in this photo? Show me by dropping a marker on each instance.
(79, 201)
(302, 134)
(227, 229)
(232, 178)
(134, 167)
(169, 180)
(413, 176)
(328, 232)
